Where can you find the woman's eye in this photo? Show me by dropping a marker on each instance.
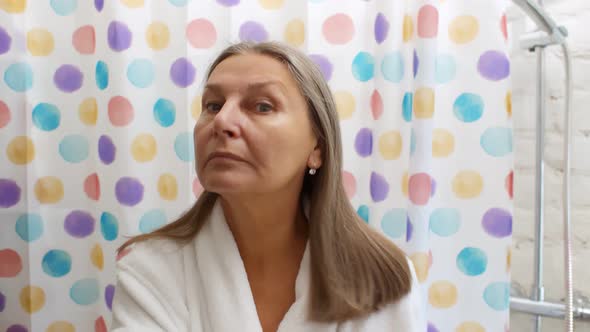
(213, 107)
(263, 107)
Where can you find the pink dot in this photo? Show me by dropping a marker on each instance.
(376, 105)
(197, 188)
(427, 22)
(4, 114)
(349, 183)
(201, 33)
(10, 263)
(509, 183)
(92, 187)
(419, 188)
(338, 29)
(120, 111)
(100, 325)
(504, 27)
(84, 39)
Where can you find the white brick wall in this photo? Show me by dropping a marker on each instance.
(575, 16)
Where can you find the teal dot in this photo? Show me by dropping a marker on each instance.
(468, 107)
(74, 148)
(85, 291)
(363, 66)
(407, 105)
(102, 75)
(497, 295)
(363, 212)
(164, 112)
(29, 227)
(141, 73)
(412, 142)
(445, 222)
(392, 67)
(394, 223)
(19, 77)
(56, 263)
(179, 3)
(497, 141)
(46, 116)
(109, 226)
(472, 261)
(184, 147)
(151, 221)
(445, 68)
(64, 7)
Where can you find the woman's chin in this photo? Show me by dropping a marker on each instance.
(223, 185)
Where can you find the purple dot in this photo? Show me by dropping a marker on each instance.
(324, 64)
(364, 142)
(106, 149)
(129, 191)
(109, 292)
(432, 328)
(2, 302)
(79, 224)
(379, 187)
(493, 65)
(119, 36)
(409, 230)
(497, 222)
(381, 28)
(253, 31)
(68, 78)
(228, 3)
(17, 328)
(415, 63)
(99, 4)
(182, 72)
(5, 41)
(9, 193)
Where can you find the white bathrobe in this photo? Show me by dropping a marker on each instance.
(203, 287)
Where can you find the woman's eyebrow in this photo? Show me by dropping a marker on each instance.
(216, 87)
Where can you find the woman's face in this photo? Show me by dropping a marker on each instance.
(254, 134)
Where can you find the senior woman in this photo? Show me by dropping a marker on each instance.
(272, 244)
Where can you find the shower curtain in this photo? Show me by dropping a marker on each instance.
(98, 100)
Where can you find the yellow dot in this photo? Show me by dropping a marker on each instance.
(470, 327)
(509, 104)
(61, 326)
(467, 184)
(32, 299)
(405, 183)
(40, 42)
(508, 259)
(442, 294)
(96, 257)
(196, 107)
(421, 265)
(49, 189)
(133, 3)
(271, 4)
(345, 104)
(13, 6)
(88, 111)
(167, 187)
(20, 150)
(295, 32)
(408, 30)
(157, 35)
(443, 143)
(390, 145)
(463, 29)
(144, 148)
(424, 103)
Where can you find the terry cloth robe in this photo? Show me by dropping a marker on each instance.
(202, 286)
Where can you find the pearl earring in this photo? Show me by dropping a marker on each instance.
(312, 171)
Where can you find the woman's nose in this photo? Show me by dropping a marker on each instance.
(227, 120)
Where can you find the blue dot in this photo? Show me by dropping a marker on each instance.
(165, 112)
(472, 261)
(179, 3)
(57, 263)
(184, 147)
(19, 77)
(74, 148)
(445, 68)
(497, 141)
(151, 221)
(392, 67)
(29, 227)
(445, 221)
(141, 73)
(412, 142)
(363, 212)
(102, 75)
(109, 226)
(85, 291)
(407, 105)
(64, 7)
(497, 295)
(46, 116)
(468, 107)
(363, 66)
(394, 223)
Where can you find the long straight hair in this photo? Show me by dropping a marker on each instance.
(355, 270)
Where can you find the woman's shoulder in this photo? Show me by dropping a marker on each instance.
(154, 254)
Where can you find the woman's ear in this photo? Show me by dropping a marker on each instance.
(315, 158)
